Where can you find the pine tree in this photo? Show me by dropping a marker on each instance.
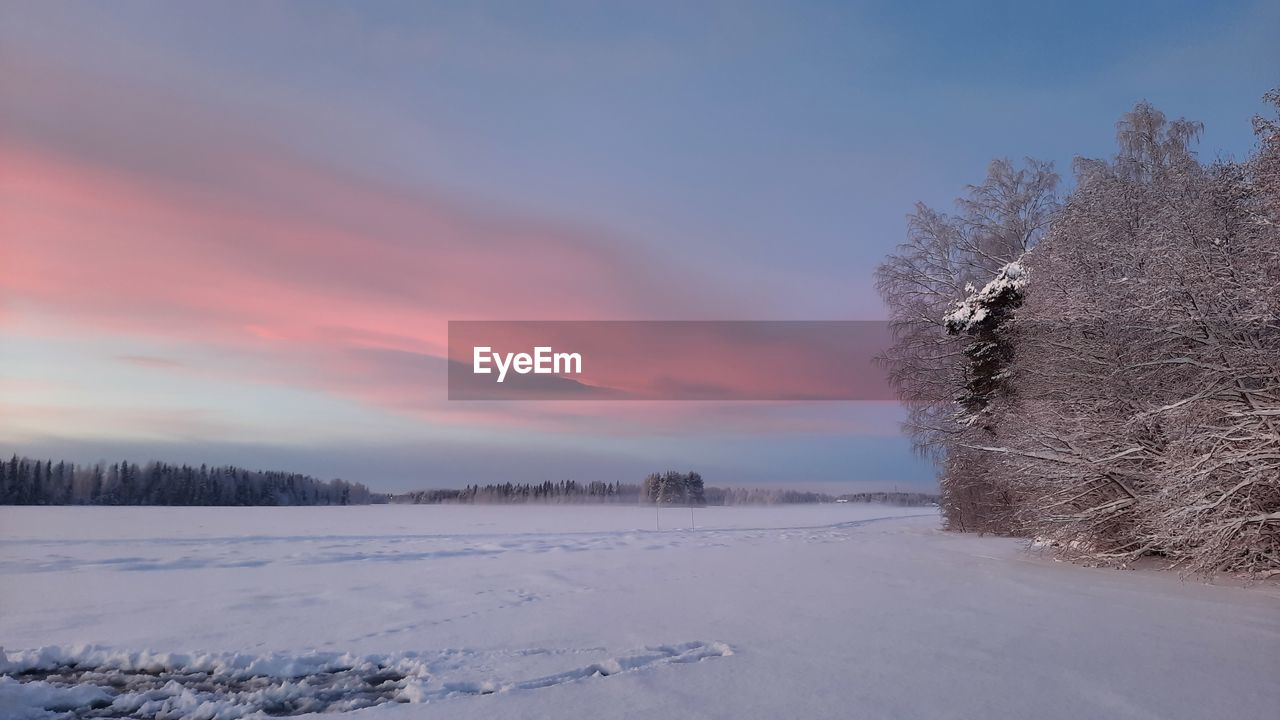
(697, 491)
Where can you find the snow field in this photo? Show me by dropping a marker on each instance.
(462, 612)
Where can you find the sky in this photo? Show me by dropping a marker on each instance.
(235, 232)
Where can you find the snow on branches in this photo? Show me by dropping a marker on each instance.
(991, 302)
(1133, 408)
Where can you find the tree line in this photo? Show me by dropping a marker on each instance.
(1101, 370)
(907, 499)
(24, 481)
(564, 491)
(668, 488)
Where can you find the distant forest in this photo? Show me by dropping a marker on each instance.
(24, 481)
(677, 489)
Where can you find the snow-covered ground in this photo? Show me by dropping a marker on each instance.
(828, 611)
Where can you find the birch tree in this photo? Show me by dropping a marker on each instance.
(1148, 363)
(943, 259)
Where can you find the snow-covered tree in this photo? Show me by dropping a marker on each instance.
(1114, 385)
(944, 258)
(1147, 361)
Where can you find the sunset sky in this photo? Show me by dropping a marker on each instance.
(235, 232)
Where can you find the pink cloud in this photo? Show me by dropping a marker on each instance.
(140, 254)
(146, 216)
(149, 361)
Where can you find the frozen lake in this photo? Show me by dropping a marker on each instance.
(549, 612)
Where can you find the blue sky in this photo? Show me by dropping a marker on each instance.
(330, 170)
